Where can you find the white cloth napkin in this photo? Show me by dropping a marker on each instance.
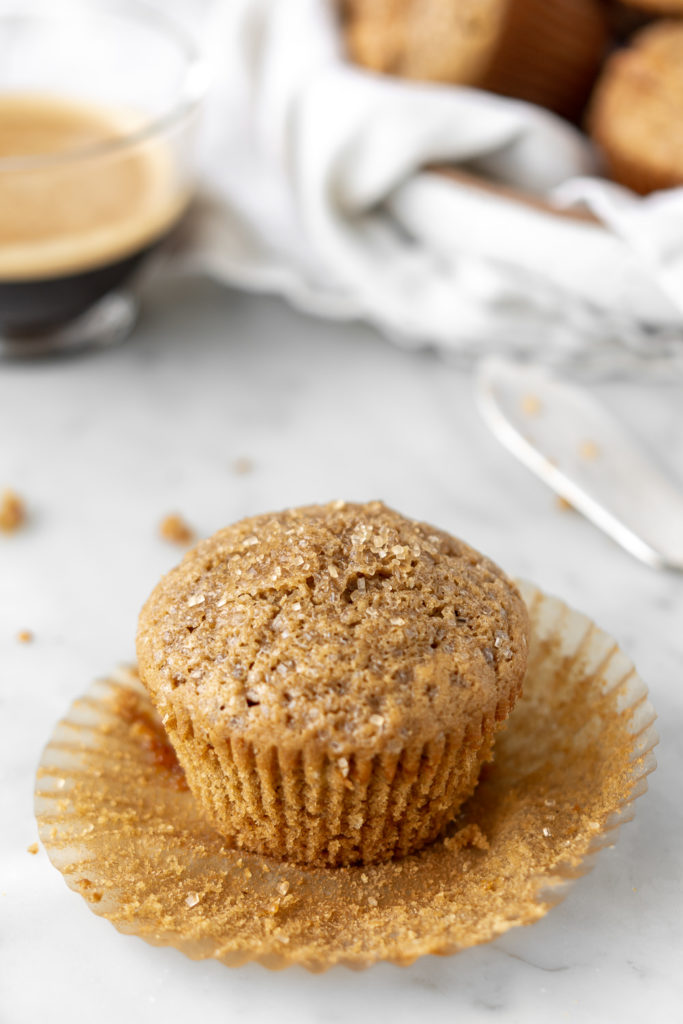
(316, 170)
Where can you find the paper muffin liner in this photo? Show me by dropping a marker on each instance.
(117, 819)
(307, 807)
(550, 53)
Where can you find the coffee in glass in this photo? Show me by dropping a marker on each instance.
(95, 136)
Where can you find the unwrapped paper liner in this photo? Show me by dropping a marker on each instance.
(116, 818)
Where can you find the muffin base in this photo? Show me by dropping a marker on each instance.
(311, 809)
(116, 818)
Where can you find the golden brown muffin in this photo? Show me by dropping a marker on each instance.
(331, 678)
(546, 53)
(635, 113)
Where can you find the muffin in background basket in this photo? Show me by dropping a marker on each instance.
(332, 678)
(545, 53)
(635, 112)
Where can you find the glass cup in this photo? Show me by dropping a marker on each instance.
(98, 104)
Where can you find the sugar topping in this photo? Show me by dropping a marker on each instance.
(176, 530)
(334, 623)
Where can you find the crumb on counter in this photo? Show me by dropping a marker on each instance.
(24, 636)
(33, 848)
(589, 450)
(12, 511)
(242, 466)
(175, 530)
(531, 405)
(563, 505)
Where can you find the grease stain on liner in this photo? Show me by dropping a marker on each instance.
(116, 818)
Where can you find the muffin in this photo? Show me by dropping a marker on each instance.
(546, 53)
(331, 678)
(635, 112)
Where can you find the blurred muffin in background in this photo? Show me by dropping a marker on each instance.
(635, 111)
(545, 53)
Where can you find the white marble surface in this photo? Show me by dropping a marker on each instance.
(103, 446)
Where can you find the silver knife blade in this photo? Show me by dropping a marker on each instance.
(571, 442)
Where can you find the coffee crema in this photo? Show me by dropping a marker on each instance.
(81, 203)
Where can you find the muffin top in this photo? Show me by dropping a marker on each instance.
(345, 625)
(636, 106)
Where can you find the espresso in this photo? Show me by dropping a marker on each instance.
(81, 205)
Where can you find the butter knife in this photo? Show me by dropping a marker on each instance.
(566, 437)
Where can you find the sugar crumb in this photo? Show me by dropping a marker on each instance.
(33, 848)
(12, 511)
(175, 530)
(471, 835)
(531, 405)
(192, 899)
(589, 450)
(242, 466)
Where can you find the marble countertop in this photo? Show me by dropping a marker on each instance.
(104, 445)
